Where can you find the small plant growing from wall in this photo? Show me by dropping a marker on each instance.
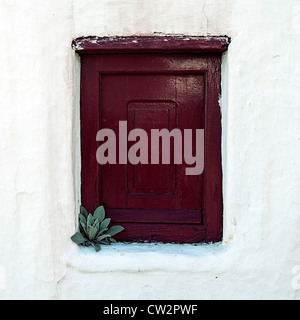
(94, 229)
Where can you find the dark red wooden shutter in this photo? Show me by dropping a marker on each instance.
(153, 84)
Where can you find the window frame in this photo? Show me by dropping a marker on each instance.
(213, 198)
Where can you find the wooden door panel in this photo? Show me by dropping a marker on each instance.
(152, 102)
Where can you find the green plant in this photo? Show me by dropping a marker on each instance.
(94, 229)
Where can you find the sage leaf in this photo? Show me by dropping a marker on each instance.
(104, 224)
(96, 246)
(78, 238)
(83, 226)
(96, 223)
(103, 237)
(99, 213)
(101, 232)
(83, 211)
(114, 230)
(90, 220)
(82, 218)
(92, 231)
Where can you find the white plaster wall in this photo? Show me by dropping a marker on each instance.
(40, 158)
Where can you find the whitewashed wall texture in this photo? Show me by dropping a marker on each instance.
(40, 154)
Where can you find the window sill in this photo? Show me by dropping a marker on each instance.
(143, 257)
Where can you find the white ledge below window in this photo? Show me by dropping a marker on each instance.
(143, 257)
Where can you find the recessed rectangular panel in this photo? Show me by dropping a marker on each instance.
(151, 178)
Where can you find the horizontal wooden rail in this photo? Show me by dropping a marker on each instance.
(166, 44)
